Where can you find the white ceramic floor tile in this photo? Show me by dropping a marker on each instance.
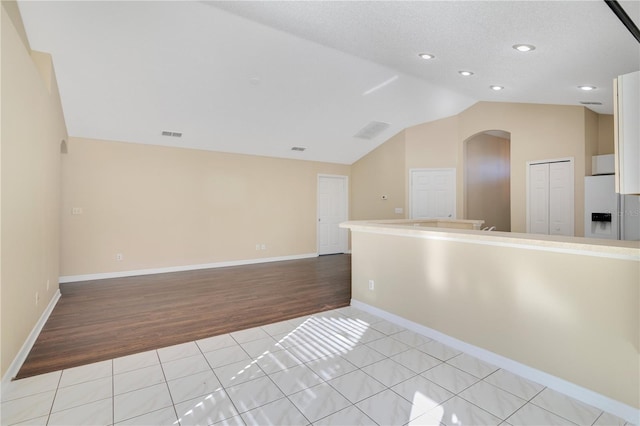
(366, 318)
(415, 360)
(174, 352)
(566, 407)
(431, 418)
(86, 373)
(256, 348)
(319, 401)
(515, 384)
(410, 338)
(99, 413)
(255, 393)
(351, 416)
(38, 421)
(438, 350)
(368, 335)
(607, 419)
(388, 346)
(239, 372)
(450, 377)
(387, 327)
(83, 393)
(422, 393)
(206, 410)
(357, 385)
(532, 415)
(331, 367)
(216, 342)
(162, 417)
(361, 356)
(456, 411)
(272, 362)
(233, 421)
(226, 356)
(249, 334)
(295, 379)
(185, 366)
(31, 385)
(137, 379)
(388, 372)
(29, 407)
(311, 351)
(388, 408)
(490, 398)
(279, 328)
(189, 387)
(139, 402)
(472, 365)
(135, 361)
(277, 413)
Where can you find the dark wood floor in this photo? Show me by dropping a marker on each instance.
(99, 320)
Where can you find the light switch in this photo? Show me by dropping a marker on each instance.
(399, 210)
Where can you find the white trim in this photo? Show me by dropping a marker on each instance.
(436, 169)
(571, 161)
(344, 243)
(134, 273)
(22, 354)
(587, 396)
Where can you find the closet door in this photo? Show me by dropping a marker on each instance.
(539, 198)
(550, 198)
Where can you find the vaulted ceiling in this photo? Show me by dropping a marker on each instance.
(262, 77)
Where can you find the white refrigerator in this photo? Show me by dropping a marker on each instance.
(608, 214)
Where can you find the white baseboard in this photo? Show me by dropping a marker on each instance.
(22, 354)
(121, 274)
(587, 396)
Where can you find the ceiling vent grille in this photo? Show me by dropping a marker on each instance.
(172, 134)
(590, 103)
(298, 148)
(372, 130)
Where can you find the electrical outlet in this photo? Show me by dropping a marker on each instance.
(37, 298)
(372, 285)
(119, 257)
(263, 247)
(257, 246)
(76, 210)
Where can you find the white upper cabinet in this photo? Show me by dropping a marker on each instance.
(626, 90)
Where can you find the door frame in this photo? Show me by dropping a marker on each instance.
(344, 232)
(572, 189)
(433, 169)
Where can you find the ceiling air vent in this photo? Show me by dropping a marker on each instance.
(590, 103)
(371, 130)
(172, 134)
(298, 148)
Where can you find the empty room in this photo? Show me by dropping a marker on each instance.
(320, 213)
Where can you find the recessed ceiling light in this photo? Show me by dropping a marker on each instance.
(496, 88)
(465, 73)
(587, 88)
(524, 47)
(426, 55)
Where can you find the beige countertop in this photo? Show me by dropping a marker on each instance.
(578, 245)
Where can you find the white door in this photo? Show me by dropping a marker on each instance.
(550, 198)
(539, 198)
(433, 193)
(332, 210)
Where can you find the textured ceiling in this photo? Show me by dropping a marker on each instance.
(261, 77)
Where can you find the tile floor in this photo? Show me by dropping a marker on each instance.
(341, 367)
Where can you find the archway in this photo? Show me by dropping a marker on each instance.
(488, 178)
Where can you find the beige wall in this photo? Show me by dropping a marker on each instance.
(572, 316)
(538, 132)
(32, 130)
(381, 172)
(605, 134)
(165, 207)
(487, 189)
(591, 135)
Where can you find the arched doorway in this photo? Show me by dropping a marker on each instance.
(488, 178)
